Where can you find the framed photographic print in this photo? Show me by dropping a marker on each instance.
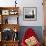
(5, 12)
(30, 13)
(13, 12)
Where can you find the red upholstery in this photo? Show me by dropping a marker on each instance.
(29, 33)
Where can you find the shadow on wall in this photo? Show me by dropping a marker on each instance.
(37, 29)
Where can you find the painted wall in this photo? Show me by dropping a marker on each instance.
(26, 3)
(38, 5)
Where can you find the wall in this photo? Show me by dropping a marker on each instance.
(27, 3)
(38, 5)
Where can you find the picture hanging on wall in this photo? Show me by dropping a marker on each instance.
(30, 13)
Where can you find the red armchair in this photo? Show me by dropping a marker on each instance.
(28, 34)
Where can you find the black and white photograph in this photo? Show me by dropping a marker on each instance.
(30, 13)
